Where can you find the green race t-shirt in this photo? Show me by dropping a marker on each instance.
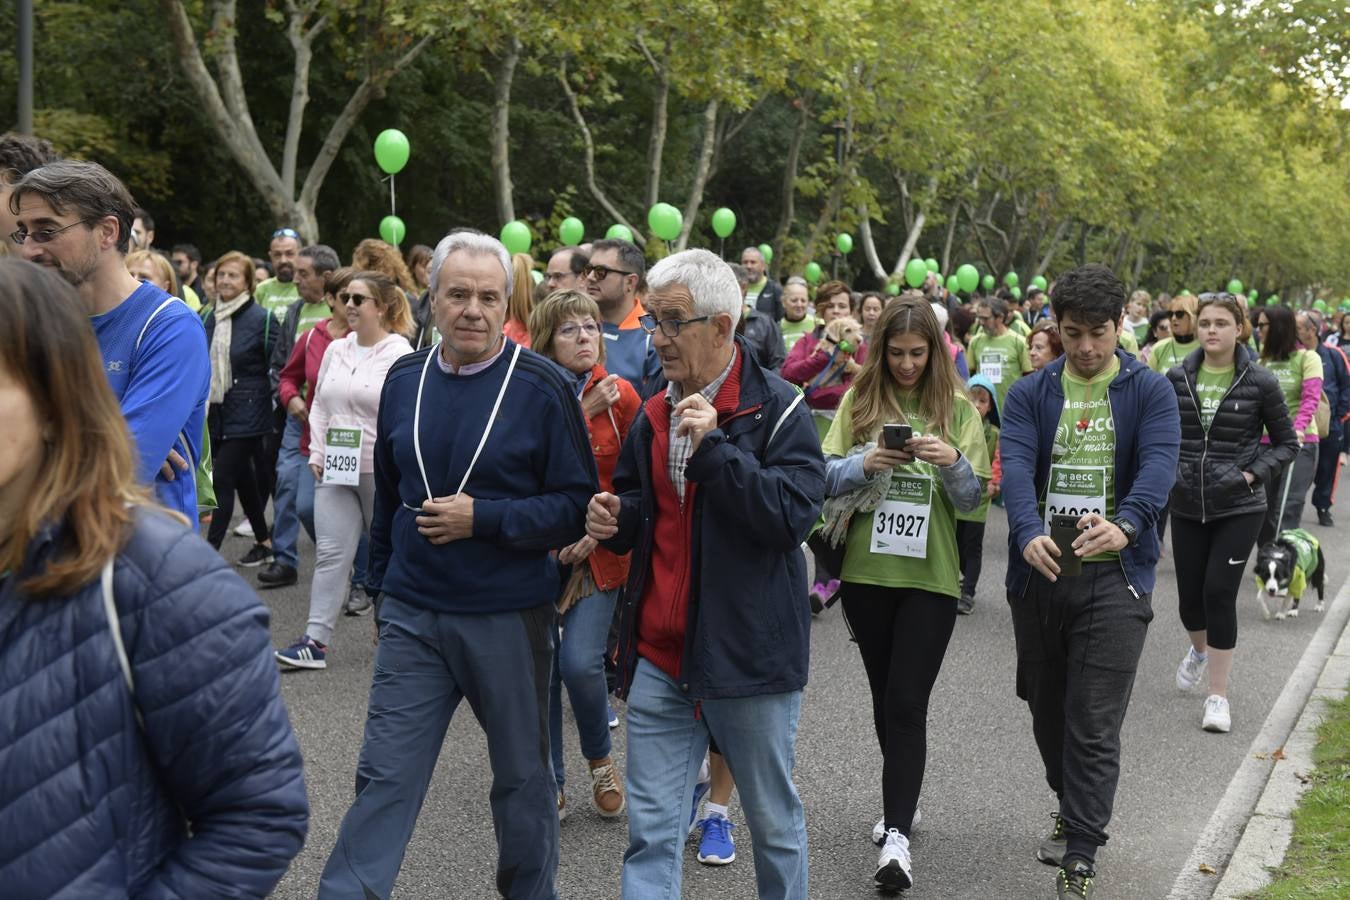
(275, 296)
(1167, 354)
(1127, 342)
(311, 314)
(753, 291)
(917, 513)
(793, 331)
(1292, 372)
(1210, 386)
(1019, 326)
(981, 512)
(1083, 459)
(1001, 359)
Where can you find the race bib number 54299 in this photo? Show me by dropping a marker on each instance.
(342, 456)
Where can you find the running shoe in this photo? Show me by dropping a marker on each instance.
(1051, 850)
(817, 596)
(965, 604)
(715, 847)
(244, 529)
(613, 716)
(606, 793)
(701, 788)
(277, 575)
(305, 653)
(879, 829)
(895, 870)
(259, 554)
(562, 806)
(1191, 670)
(358, 603)
(1075, 883)
(1217, 717)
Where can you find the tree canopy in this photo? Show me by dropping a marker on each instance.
(1183, 144)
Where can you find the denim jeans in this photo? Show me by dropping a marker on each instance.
(667, 738)
(292, 472)
(579, 663)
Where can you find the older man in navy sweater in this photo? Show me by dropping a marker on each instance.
(482, 465)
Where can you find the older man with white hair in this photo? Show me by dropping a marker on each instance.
(466, 578)
(719, 482)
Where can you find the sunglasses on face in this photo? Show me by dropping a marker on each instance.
(353, 299)
(44, 235)
(1179, 314)
(600, 273)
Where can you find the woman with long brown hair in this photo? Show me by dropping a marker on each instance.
(133, 658)
(905, 453)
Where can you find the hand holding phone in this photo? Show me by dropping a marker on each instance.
(894, 437)
(1064, 531)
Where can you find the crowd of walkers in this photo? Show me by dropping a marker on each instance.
(593, 475)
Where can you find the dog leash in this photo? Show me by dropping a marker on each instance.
(1288, 480)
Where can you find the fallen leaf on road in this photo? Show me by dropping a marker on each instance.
(1261, 756)
(1207, 869)
(1278, 754)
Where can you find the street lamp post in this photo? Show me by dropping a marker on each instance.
(25, 123)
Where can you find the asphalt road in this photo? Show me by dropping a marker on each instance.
(985, 803)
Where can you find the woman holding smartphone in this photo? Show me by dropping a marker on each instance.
(1219, 502)
(901, 578)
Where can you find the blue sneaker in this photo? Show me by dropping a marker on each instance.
(305, 653)
(613, 719)
(716, 848)
(701, 788)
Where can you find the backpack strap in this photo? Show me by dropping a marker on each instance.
(115, 629)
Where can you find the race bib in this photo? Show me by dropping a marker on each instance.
(342, 456)
(1075, 491)
(991, 367)
(900, 523)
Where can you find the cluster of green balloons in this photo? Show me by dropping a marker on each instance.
(516, 237)
(723, 223)
(665, 221)
(391, 155)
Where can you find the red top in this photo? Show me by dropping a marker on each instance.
(664, 616)
(303, 369)
(608, 430)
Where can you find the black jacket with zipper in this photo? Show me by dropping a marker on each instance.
(1210, 483)
(246, 410)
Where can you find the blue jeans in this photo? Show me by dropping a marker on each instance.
(667, 738)
(579, 662)
(292, 472)
(427, 662)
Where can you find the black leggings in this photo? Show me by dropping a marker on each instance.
(970, 545)
(1211, 558)
(902, 635)
(233, 470)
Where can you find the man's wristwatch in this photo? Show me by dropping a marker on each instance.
(1126, 527)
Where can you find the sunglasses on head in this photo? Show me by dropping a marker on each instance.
(286, 232)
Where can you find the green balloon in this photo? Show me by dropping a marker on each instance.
(665, 221)
(844, 242)
(516, 237)
(1234, 287)
(968, 277)
(392, 230)
(915, 272)
(766, 251)
(812, 272)
(1017, 293)
(1184, 293)
(571, 231)
(931, 264)
(1251, 295)
(987, 282)
(953, 284)
(1010, 279)
(392, 150)
(1273, 300)
(619, 232)
(723, 222)
(1039, 282)
(892, 288)
(1320, 305)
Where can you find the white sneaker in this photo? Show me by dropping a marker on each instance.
(244, 529)
(879, 829)
(894, 868)
(1217, 717)
(1191, 670)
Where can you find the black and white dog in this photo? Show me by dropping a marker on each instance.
(1285, 567)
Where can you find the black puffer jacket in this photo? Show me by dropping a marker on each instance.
(247, 408)
(1210, 484)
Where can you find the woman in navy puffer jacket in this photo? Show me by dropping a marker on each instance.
(176, 775)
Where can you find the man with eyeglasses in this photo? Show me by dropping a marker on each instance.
(998, 353)
(614, 278)
(75, 218)
(564, 269)
(718, 483)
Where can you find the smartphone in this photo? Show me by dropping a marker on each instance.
(1064, 531)
(893, 437)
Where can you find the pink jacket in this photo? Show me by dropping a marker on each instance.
(347, 393)
(803, 364)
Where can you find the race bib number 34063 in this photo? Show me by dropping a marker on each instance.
(1075, 491)
(900, 523)
(342, 456)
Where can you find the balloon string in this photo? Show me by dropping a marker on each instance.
(393, 210)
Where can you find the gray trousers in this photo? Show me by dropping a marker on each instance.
(427, 662)
(341, 515)
(1078, 646)
(1305, 470)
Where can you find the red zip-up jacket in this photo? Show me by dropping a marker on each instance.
(303, 369)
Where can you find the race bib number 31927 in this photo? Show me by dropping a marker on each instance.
(342, 456)
(900, 523)
(1075, 491)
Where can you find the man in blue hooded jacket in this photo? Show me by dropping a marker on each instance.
(1100, 433)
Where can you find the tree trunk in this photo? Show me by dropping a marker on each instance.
(501, 130)
(588, 158)
(1050, 251)
(700, 181)
(953, 218)
(869, 244)
(789, 188)
(656, 140)
(912, 241)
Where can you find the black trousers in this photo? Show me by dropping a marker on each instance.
(902, 635)
(1328, 468)
(1211, 558)
(234, 470)
(1078, 646)
(970, 546)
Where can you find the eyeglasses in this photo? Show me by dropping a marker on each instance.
(600, 273)
(572, 329)
(669, 327)
(45, 235)
(286, 232)
(551, 277)
(353, 299)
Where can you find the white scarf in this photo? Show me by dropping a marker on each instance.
(221, 376)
